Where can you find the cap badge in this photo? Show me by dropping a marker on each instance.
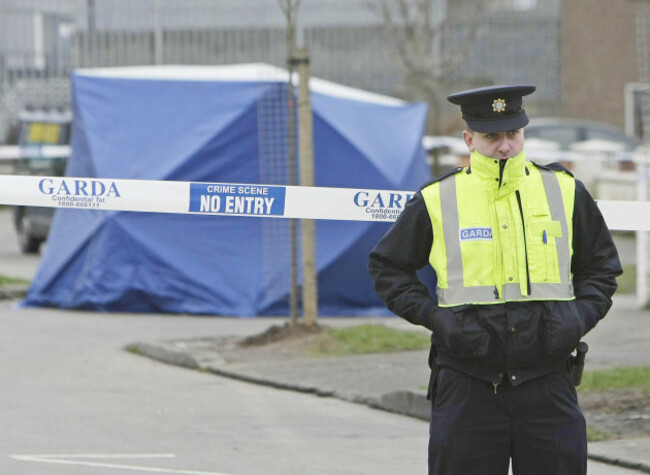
(499, 105)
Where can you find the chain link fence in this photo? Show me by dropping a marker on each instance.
(42, 41)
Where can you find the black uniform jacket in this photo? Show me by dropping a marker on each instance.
(516, 340)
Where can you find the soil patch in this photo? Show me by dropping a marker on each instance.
(277, 333)
(623, 413)
(276, 343)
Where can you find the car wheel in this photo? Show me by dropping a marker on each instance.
(28, 243)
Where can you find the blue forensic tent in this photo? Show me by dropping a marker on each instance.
(220, 124)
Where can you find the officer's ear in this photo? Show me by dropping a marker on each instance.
(468, 137)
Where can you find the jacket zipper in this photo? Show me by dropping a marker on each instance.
(502, 166)
(523, 225)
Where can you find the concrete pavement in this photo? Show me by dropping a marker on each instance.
(395, 381)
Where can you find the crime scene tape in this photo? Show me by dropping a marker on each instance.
(237, 199)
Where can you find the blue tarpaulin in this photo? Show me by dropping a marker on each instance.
(220, 124)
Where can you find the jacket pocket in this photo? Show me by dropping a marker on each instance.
(526, 329)
(563, 327)
(460, 332)
(542, 250)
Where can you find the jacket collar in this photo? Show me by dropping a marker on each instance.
(488, 170)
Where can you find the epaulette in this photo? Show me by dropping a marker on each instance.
(555, 167)
(442, 177)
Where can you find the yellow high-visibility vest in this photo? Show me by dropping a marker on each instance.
(500, 239)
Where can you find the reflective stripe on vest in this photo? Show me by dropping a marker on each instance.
(457, 293)
(556, 205)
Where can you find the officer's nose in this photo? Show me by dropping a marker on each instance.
(504, 145)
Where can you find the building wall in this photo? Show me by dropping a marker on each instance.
(41, 41)
(599, 56)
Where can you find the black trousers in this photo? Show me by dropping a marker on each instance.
(537, 424)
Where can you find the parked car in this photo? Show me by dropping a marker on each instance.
(567, 132)
(36, 130)
(548, 139)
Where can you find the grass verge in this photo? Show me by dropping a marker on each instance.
(367, 338)
(4, 280)
(616, 378)
(627, 281)
(596, 435)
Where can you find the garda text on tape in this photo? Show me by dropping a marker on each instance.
(236, 199)
(78, 193)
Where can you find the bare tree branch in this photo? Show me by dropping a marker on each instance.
(417, 38)
(289, 6)
(290, 9)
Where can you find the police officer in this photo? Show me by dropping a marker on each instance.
(525, 267)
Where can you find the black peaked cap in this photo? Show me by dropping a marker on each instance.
(494, 108)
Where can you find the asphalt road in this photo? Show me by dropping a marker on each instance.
(12, 262)
(70, 391)
(73, 402)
